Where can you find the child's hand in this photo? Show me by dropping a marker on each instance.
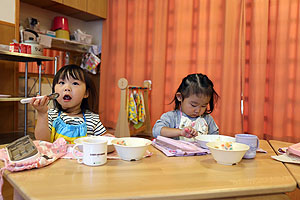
(189, 132)
(108, 135)
(41, 105)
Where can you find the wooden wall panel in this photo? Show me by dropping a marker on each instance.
(8, 110)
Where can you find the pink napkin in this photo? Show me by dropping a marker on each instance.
(171, 147)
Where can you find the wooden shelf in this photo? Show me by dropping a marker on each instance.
(68, 45)
(22, 57)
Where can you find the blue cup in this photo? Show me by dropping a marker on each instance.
(251, 140)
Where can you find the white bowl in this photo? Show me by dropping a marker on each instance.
(227, 157)
(110, 147)
(131, 148)
(203, 139)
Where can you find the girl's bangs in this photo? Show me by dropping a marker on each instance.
(74, 73)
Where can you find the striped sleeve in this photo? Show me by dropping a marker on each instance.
(52, 115)
(94, 125)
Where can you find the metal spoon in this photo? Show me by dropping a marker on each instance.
(51, 97)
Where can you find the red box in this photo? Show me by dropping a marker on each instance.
(14, 47)
(23, 48)
(28, 49)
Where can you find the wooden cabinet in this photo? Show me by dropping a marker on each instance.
(77, 4)
(97, 7)
(58, 1)
(87, 10)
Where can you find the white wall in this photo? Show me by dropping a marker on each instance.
(46, 17)
(7, 11)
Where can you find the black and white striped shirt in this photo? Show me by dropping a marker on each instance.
(93, 123)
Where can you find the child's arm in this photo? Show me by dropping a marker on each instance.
(41, 131)
(188, 132)
(165, 126)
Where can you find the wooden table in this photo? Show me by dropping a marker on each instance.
(293, 168)
(157, 177)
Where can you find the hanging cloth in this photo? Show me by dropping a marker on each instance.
(141, 109)
(132, 111)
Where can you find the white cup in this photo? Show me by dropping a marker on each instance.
(94, 151)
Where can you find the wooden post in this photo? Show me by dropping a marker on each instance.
(148, 129)
(122, 129)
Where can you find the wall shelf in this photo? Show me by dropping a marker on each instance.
(68, 45)
(22, 57)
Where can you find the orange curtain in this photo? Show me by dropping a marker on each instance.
(246, 47)
(272, 80)
(163, 41)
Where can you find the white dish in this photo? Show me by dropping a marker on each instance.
(110, 147)
(203, 139)
(131, 148)
(227, 157)
(4, 95)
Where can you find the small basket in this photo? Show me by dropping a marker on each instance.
(83, 37)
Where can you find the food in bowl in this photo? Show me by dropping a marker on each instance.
(110, 146)
(202, 140)
(227, 153)
(131, 148)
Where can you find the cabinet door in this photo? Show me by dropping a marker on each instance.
(58, 1)
(77, 4)
(97, 7)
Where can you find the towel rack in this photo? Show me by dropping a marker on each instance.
(122, 128)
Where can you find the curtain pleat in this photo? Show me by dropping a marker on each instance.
(245, 47)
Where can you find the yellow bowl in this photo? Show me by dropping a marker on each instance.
(62, 34)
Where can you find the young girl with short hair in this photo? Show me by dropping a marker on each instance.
(71, 117)
(194, 101)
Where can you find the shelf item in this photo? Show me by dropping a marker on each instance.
(5, 95)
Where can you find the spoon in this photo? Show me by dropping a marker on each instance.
(51, 97)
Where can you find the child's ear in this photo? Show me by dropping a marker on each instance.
(86, 95)
(179, 96)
